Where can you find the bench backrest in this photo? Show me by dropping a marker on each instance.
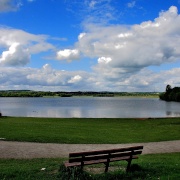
(104, 154)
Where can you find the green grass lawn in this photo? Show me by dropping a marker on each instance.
(147, 167)
(87, 130)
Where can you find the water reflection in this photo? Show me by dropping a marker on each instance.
(110, 107)
(173, 114)
(172, 109)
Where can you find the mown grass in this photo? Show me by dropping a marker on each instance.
(85, 130)
(156, 166)
(29, 169)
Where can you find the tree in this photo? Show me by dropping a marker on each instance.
(168, 88)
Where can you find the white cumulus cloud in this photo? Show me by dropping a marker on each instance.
(124, 54)
(45, 78)
(17, 46)
(49, 79)
(16, 55)
(134, 47)
(68, 54)
(105, 60)
(121, 57)
(75, 79)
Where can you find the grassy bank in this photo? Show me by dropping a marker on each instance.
(79, 130)
(157, 166)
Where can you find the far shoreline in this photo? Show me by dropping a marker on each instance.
(31, 93)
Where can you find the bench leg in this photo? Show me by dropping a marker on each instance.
(82, 165)
(129, 165)
(107, 166)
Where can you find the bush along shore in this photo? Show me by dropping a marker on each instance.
(171, 94)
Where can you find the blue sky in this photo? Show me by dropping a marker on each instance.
(89, 45)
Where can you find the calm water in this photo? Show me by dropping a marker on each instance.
(96, 107)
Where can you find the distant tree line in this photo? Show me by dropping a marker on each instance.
(29, 93)
(171, 94)
(25, 93)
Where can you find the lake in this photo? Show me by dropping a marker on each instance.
(89, 107)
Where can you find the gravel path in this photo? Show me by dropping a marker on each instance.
(27, 150)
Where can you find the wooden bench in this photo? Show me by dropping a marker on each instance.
(104, 156)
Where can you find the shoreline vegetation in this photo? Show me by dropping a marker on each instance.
(30, 93)
(171, 94)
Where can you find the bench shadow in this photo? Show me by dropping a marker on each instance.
(92, 172)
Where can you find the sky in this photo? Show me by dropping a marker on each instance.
(89, 45)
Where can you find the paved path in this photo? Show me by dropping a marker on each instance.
(27, 150)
